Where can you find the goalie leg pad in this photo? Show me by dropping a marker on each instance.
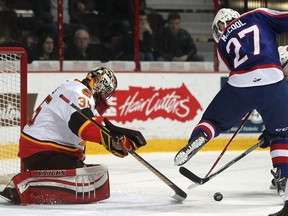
(70, 186)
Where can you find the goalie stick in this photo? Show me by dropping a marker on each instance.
(179, 195)
(200, 181)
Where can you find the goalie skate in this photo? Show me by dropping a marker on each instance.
(190, 149)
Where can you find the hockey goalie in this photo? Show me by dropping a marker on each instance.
(52, 145)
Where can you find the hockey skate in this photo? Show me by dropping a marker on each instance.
(282, 212)
(10, 194)
(280, 185)
(273, 184)
(188, 151)
(280, 181)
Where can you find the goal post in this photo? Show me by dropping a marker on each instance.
(13, 108)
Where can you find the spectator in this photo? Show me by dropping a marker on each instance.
(80, 7)
(9, 34)
(175, 43)
(82, 49)
(8, 22)
(116, 20)
(116, 16)
(45, 49)
(3, 6)
(79, 50)
(84, 13)
(47, 13)
(146, 39)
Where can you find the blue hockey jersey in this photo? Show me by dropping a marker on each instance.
(248, 47)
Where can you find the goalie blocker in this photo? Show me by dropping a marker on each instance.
(65, 186)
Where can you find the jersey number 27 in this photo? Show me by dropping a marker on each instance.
(256, 41)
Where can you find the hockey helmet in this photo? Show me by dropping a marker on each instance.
(102, 82)
(224, 15)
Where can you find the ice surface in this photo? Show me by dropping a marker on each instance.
(136, 191)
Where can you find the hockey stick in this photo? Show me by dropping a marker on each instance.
(179, 195)
(200, 181)
(228, 144)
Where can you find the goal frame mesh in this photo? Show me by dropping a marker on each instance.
(22, 55)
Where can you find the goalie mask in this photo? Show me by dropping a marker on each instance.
(102, 82)
(224, 15)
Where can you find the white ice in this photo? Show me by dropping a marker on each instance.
(136, 191)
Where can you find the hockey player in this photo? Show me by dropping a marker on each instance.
(248, 46)
(52, 144)
(278, 182)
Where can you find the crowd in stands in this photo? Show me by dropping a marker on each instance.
(95, 30)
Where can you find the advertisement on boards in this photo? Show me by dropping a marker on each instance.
(160, 105)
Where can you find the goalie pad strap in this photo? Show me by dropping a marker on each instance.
(71, 186)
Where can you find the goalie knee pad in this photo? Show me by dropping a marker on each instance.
(71, 186)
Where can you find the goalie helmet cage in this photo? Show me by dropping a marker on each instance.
(13, 109)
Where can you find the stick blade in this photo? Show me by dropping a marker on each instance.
(179, 198)
(179, 195)
(188, 174)
(192, 186)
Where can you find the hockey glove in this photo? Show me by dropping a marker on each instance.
(263, 137)
(119, 145)
(134, 138)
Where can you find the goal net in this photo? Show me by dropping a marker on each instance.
(13, 108)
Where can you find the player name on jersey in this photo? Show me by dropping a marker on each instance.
(236, 25)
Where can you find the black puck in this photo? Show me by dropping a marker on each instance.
(218, 196)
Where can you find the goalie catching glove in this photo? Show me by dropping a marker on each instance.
(121, 141)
